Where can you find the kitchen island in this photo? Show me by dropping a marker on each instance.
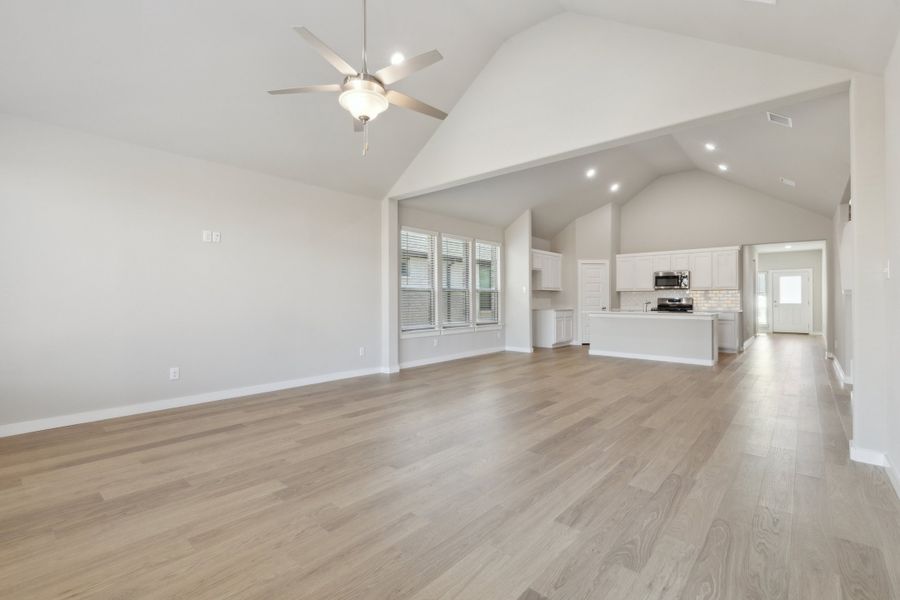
(688, 338)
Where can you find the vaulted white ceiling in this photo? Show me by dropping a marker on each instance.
(190, 77)
(854, 34)
(814, 154)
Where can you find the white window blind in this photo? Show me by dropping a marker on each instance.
(487, 283)
(455, 282)
(417, 280)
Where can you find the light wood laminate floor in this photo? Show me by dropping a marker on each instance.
(521, 477)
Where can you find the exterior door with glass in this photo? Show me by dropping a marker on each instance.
(791, 301)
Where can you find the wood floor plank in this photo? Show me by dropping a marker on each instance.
(549, 476)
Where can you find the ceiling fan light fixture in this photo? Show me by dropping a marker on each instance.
(363, 99)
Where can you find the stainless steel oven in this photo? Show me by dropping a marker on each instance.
(672, 280)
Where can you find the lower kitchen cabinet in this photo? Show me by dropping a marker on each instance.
(553, 327)
(728, 331)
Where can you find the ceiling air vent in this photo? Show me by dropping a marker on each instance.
(780, 119)
(788, 182)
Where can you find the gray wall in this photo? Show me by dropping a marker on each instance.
(106, 283)
(694, 209)
(517, 283)
(811, 259)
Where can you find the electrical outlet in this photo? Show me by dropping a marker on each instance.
(216, 237)
(362, 350)
(206, 236)
(174, 373)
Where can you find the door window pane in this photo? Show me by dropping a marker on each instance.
(790, 289)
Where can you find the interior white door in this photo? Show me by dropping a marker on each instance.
(593, 294)
(791, 302)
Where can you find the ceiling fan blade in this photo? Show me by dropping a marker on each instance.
(327, 87)
(327, 53)
(399, 99)
(357, 126)
(395, 73)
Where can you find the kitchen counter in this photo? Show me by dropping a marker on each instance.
(688, 338)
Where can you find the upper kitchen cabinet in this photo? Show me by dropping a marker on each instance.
(634, 273)
(701, 271)
(547, 267)
(726, 270)
(710, 269)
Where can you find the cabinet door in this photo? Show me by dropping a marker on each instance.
(537, 261)
(701, 271)
(624, 274)
(662, 262)
(643, 273)
(554, 272)
(727, 334)
(725, 270)
(560, 328)
(680, 262)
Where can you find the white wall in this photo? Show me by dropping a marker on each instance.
(811, 259)
(841, 299)
(694, 209)
(106, 283)
(641, 82)
(870, 347)
(517, 283)
(892, 226)
(435, 348)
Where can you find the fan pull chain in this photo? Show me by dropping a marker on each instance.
(365, 149)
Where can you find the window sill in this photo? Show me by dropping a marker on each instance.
(489, 327)
(457, 330)
(418, 334)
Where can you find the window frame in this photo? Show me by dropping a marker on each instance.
(434, 328)
(439, 327)
(470, 324)
(476, 288)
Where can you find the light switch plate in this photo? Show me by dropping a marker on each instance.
(207, 235)
(216, 237)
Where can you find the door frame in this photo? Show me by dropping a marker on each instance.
(576, 340)
(773, 274)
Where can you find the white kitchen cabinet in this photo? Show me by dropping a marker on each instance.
(634, 274)
(701, 271)
(681, 262)
(728, 331)
(643, 273)
(553, 327)
(726, 270)
(624, 274)
(662, 262)
(548, 266)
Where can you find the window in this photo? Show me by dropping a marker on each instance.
(790, 289)
(487, 283)
(762, 300)
(455, 282)
(417, 280)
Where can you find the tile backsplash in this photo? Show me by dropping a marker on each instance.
(703, 300)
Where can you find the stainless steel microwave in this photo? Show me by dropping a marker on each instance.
(672, 280)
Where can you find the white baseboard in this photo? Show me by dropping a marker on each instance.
(156, 405)
(867, 456)
(749, 341)
(839, 371)
(528, 350)
(893, 471)
(439, 359)
(658, 358)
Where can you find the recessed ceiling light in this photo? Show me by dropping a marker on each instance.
(710, 146)
(591, 173)
(763, 1)
(614, 187)
(788, 246)
(723, 167)
(397, 58)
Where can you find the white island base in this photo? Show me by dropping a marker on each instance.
(667, 337)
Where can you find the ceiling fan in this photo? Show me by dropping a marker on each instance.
(366, 95)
